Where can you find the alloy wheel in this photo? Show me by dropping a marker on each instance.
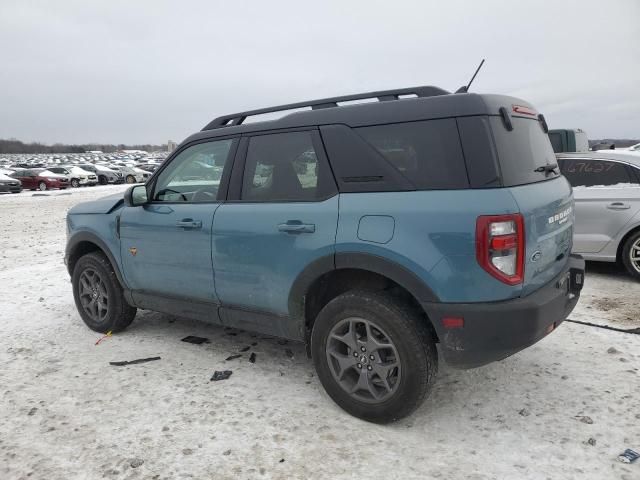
(42, 186)
(634, 255)
(93, 295)
(363, 360)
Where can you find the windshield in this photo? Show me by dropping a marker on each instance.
(525, 153)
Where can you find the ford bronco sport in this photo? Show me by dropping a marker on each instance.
(372, 231)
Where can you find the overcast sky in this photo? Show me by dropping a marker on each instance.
(148, 71)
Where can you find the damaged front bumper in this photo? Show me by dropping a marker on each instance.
(496, 330)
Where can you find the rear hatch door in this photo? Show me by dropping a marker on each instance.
(543, 196)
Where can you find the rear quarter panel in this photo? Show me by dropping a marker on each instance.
(433, 236)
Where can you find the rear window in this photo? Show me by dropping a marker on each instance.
(556, 141)
(522, 151)
(427, 153)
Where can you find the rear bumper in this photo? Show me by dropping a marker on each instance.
(11, 188)
(493, 331)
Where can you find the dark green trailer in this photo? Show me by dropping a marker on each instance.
(569, 140)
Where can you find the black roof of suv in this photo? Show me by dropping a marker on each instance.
(400, 105)
(479, 143)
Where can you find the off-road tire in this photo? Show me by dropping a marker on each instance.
(119, 313)
(407, 331)
(631, 243)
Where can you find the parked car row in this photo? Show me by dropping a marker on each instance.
(40, 172)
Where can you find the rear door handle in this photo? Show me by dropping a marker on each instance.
(618, 206)
(296, 227)
(189, 223)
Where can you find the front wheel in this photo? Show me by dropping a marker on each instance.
(102, 180)
(131, 179)
(75, 183)
(42, 186)
(99, 296)
(374, 355)
(631, 255)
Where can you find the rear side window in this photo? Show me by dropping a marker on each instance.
(523, 151)
(285, 167)
(591, 173)
(427, 153)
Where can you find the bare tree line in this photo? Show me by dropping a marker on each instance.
(16, 146)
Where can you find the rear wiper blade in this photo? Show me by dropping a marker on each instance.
(547, 168)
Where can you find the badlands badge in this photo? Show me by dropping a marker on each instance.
(133, 251)
(561, 217)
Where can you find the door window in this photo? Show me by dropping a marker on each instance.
(591, 173)
(194, 174)
(284, 167)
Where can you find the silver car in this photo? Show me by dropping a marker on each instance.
(606, 188)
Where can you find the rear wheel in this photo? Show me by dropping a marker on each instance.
(99, 296)
(374, 355)
(42, 186)
(631, 255)
(75, 183)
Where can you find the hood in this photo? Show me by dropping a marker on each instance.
(102, 205)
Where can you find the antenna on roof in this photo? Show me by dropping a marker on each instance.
(464, 89)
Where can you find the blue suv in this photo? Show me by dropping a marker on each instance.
(373, 227)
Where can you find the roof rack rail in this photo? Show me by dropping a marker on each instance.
(382, 96)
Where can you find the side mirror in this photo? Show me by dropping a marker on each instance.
(136, 196)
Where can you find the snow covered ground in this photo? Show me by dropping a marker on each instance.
(564, 408)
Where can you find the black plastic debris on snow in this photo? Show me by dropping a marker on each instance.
(134, 362)
(40, 195)
(628, 456)
(195, 340)
(244, 349)
(233, 357)
(232, 331)
(221, 375)
(252, 358)
(288, 352)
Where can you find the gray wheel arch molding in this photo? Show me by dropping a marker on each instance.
(74, 243)
(361, 261)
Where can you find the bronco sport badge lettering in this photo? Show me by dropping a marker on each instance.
(560, 217)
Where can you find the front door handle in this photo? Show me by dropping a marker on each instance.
(618, 206)
(189, 223)
(296, 226)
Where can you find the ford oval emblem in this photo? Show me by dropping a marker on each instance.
(536, 256)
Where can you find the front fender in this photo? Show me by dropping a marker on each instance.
(78, 244)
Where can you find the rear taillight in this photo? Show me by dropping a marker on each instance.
(500, 246)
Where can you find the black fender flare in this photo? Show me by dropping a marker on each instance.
(361, 261)
(83, 236)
